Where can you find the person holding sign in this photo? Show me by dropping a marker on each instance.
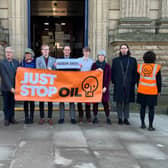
(101, 64)
(86, 64)
(28, 62)
(45, 62)
(8, 68)
(66, 51)
(149, 87)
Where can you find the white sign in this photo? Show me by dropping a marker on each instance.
(67, 63)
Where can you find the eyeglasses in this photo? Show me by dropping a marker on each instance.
(45, 49)
(9, 51)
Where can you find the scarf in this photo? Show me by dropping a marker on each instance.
(100, 64)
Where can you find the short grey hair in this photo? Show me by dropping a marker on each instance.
(9, 48)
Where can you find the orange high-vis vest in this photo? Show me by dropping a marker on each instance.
(147, 82)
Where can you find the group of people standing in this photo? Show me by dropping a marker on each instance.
(124, 75)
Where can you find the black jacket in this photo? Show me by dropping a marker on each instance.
(7, 74)
(124, 83)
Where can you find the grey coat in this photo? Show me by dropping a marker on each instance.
(40, 62)
(7, 74)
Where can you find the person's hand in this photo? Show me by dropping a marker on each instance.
(80, 65)
(13, 90)
(158, 94)
(99, 69)
(55, 64)
(49, 68)
(104, 89)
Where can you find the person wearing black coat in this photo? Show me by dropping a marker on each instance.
(8, 68)
(123, 76)
(148, 99)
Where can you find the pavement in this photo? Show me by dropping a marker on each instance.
(84, 145)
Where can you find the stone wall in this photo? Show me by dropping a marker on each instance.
(4, 38)
(4, 14)
(116, 13)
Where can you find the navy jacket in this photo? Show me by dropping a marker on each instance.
(31, 64)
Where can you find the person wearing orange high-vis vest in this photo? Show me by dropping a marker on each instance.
(149, 87)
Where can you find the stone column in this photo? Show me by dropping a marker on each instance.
(135, 16)
(98, 25)
(163, 28)
(18, 26)
(164, 11)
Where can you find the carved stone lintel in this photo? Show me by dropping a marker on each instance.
(135, 16)
(135, 8)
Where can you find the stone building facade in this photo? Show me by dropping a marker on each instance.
(143, 24)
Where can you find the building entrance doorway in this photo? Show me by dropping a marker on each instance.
(57, 23)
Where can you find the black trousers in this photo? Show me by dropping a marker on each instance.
(150, 114)
(106, 108)
(8, 105)
(50, 109)
(87, 109)
(29, 106)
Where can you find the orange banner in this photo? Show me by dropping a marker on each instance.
(58, 86)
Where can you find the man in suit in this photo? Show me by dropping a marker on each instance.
(45, 62)
(67, 51)
(8, 68)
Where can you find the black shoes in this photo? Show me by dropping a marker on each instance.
(28, 121)
(108, 121)
(95, 120)
(120, 122)
(13, 121)
(31, 121)
(143, 126)
(151, 128)
(73, 121)
(60, 121)
(6, 123)
(126, 122)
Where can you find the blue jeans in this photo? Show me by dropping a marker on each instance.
(71, 110)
